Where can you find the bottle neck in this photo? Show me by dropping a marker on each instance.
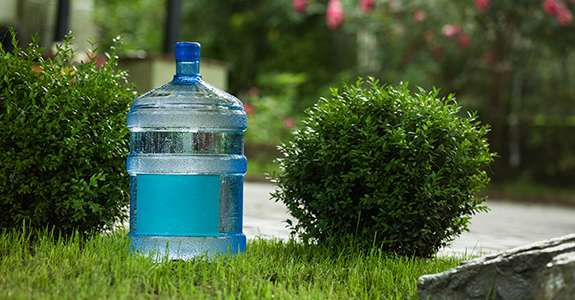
(187, 70)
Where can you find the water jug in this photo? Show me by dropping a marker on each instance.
(186, 166)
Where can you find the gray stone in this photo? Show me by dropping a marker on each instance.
(512, 274)
(558, 281)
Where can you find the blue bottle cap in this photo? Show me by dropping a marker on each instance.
(188, 51)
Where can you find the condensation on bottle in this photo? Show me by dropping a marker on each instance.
(186, 166)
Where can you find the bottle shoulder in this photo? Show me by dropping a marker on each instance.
(188, 93)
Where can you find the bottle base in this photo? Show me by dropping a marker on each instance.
(187, 247)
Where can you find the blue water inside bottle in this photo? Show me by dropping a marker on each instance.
(186, 166)
(178, 205)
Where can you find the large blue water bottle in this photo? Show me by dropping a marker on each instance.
(186, 166)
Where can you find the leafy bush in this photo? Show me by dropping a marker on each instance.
(63, 140)
(385, 169)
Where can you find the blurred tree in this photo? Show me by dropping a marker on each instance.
(258, 37)
(138, 22)
(509, 60)
(267, 37)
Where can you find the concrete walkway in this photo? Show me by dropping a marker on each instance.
(263, 217)
(506, 226)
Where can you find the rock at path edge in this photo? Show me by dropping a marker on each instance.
(518, 273)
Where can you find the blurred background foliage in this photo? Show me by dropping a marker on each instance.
(512, 61)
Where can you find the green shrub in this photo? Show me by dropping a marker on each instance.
(63, 141)
(384, 168)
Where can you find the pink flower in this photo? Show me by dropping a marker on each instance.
(419, 16)
(550, 7)
(289, 122)
(249, 108)
(482, 5)
(334, 15)
(488, 57)
(559, 10)
(464, 40)
(564, 17)
(366, 6)
(451, 30)
(97, 58)
(299, 5)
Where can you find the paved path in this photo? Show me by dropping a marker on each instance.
(263, 217)
(506, 226)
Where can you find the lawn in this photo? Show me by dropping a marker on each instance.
(43, 266)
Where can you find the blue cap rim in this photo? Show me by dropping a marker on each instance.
(188, 51)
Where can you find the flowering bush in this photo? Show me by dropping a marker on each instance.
(509, 60)
(482, 5)
(300, 5)
(335, 13)
(559, 10)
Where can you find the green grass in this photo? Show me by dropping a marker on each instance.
(102, 268)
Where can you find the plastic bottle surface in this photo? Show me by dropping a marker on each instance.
(186, 166)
